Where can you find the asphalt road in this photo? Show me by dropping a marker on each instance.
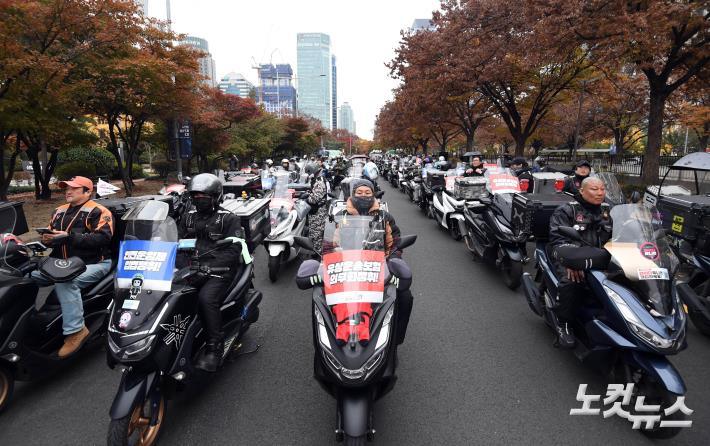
(477, 368)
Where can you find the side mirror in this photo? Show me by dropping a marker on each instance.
(304, 242)
(635, 196)
(379, 194)
(332, 195)
(570, 233)
(405, 241)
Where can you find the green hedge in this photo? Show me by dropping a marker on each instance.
(75, 168)
(103, 161)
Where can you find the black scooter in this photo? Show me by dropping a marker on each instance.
(155, 333)
(354, 371)
(488, 236)
(30, 336)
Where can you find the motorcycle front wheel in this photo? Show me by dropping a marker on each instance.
(355, 441)
(656, 394)
(274, 266)
(7, 385)
(135, 429)
(512, 272)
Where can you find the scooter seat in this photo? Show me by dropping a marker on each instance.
(102, 286)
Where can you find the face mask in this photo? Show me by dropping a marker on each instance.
(363, 204)
(579, 177)
(203, 204)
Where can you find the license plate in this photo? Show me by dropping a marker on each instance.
(130, 304)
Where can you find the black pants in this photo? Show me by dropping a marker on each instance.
(405, 301)
(210, 298)
(570, 295)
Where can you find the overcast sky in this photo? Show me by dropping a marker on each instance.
(364, 34)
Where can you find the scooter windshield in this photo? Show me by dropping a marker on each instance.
(639, 249)
(354, 259)
(8, 217)
(147, 253)
(614, 194)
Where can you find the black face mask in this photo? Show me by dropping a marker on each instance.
(203, 204)
(580, 178)
(362, 204)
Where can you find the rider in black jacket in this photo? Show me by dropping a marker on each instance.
(589, 215)
(581, 172)
(208, 223)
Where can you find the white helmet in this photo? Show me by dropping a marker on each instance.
(269, 162)
(441, 158)
(285, 160)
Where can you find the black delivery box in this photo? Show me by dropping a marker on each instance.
(685, 216)
(532, 212)
(254, 216)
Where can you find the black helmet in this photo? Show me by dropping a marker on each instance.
(208, 184)
(311, 168)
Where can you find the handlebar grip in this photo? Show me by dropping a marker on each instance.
(220, 269)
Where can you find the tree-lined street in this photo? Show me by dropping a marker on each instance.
(477, 368)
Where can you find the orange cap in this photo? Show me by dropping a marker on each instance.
(77, 182)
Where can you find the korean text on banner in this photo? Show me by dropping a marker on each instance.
(354, 276)
(154, 261)
(501, 183)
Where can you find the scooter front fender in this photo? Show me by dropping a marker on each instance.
(513, 252)
(133, 389)
(659, 368)
(356, 412)
(275, 249)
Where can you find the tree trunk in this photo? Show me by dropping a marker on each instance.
(520, 140)
(649, 174)
(113, 148)
(619, 141)
(6, 179)
(469, 142)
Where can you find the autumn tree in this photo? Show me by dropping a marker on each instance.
(667, 41)
(46, 46)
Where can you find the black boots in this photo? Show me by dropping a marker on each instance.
(565, 338)
(210, 357)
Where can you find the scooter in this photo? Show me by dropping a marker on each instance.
(354, 319)
(30, 336)
(633, 318)
(446, 210)
(487, 230)
(154, 330)
(288, 219)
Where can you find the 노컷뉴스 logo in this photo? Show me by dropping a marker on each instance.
(640, 414)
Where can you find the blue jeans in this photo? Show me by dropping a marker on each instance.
(69, 293)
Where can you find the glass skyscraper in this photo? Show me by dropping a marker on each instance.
(315, 77)
(334, 97)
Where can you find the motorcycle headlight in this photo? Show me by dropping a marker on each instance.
(139, 346)
(637, 327)
(323, 332)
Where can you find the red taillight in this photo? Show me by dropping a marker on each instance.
(559, 184)
(524, 184)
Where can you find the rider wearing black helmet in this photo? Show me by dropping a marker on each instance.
(208, 223)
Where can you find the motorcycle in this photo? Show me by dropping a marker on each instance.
(354, 318)
(154, 330)
(633, 318)
(288, 218)
(487, 229)
(30, 331)
(446, 210)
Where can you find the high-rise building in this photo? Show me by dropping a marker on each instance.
(422, 25)
(143, 5)
(276, 92)
(315, 86)
(207, 64)
(334, 95)
(236, 84)
(346, 120)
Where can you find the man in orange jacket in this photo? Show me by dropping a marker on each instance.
(80, 228)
